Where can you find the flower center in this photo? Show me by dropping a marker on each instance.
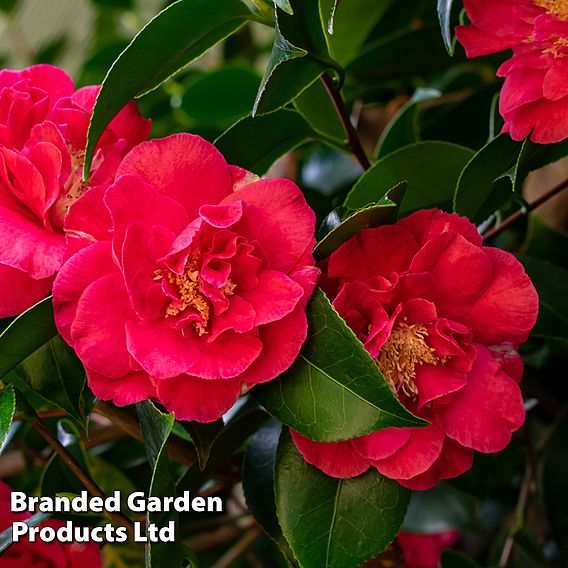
(73, 188)
(557, 7)
(406, 348)
(189, 292)
(560, 48)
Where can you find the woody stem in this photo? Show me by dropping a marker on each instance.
(521, 212)
(341, 110)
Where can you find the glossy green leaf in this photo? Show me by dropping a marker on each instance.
(300, 54)
(384, 212)
(445, 16)
(350, 23)
(246, 422)
(176, 36)
(478, 178)
(405, 52)
(221, 97)
(6, 539)
(334, 390)
(285, 6)
(280, 132)
(431, 170)
(442, 508)
(203, 437)
(546, 242)
(258, 483)
(316, 106)
(551, 283)
(27, 333)
(334, 523)
(534, 156)
(156, 428)
(403, 129)
(52, 375)
(7, 409)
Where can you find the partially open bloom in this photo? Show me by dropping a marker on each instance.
(43, 130)
(534, 98)
(423, 550)
(442, 315)
(25, 554)
(193, 282)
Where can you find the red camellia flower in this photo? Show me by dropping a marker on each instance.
(39, 554)
(443, 316)
(534, 98)
(423, 550)
(43, 130)
(193, 282)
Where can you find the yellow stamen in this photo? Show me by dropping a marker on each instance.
(557, 7)
(189, 292)
(560, 48)
(406, 348)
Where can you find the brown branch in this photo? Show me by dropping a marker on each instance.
(352, 135)
(521, 212)
(50, 413)
(241, 547)
(80, 473)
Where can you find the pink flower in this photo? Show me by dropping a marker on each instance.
(193, 282)
(423, 550)
(25, 554)
(534, 98)
(43, 129)
(443, 316)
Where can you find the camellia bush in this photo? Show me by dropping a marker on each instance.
(284, 283)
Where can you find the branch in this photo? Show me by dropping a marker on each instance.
(80, 473)
(352, 135)
(521, 212)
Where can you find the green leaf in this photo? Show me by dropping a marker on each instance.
(300, 54)
(334, 390)
(316, 106)
(534, 156)
(27, 333)
(383, 213)
(280, 132)
(406, 52)
(445, 16)
(430, 168)
(403, 129)
(285, 6)
(546, 242)
(442, 508)
(207, 100)
(176, 36)
(6, 536)
(478, 178)
(203, 437)
(7, 409)
(248, 420)
(334, 523)
(258, 483)
(350, 23)
(551, 283)
(52, 375)
(156, 428)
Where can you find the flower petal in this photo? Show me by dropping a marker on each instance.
(336, 459)
(197, 399)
